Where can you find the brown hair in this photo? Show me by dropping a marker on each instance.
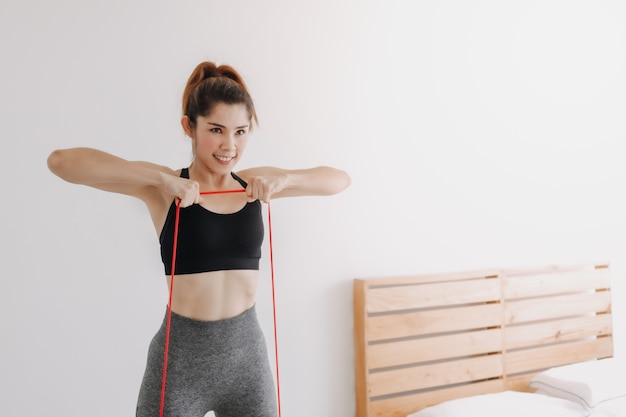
(209, 85)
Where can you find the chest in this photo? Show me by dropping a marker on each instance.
(203, 232)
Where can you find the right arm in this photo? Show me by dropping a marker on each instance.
(154, 184)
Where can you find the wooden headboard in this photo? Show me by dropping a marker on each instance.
(420, 340)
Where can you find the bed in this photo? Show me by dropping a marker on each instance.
(432, 340)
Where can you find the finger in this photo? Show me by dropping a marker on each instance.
(250, 193)
(187, 200)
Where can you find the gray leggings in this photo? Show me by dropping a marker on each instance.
(220, 366)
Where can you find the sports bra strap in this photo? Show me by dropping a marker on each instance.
(239, 180)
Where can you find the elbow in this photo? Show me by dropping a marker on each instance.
(341, 181)
(55, 161)
(345, 182)
(58, 162)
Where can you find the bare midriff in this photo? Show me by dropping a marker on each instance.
(217, 295)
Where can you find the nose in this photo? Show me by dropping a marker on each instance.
(228, 141)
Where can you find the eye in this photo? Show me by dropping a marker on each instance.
(241, 132)
(215, 130)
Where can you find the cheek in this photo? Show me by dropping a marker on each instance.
(206, 141)
(242, 142)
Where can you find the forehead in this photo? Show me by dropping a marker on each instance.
(229, 115)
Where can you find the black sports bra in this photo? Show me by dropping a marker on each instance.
(209, 241)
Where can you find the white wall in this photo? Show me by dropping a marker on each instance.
(477, 133)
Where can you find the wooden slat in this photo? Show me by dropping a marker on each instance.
(557, 331)
(519, 383)
(432, 321)
(555, 283)
(404, 405)
(432, 295)
(360, 345)
(430, 278)
(554, 268)
(557, 355)
(439, 374)
(556, 307)
(434, 348)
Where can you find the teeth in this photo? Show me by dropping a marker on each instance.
(224, 158)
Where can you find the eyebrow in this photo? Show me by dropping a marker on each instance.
(224, 127)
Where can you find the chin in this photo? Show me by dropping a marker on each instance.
(222, 168)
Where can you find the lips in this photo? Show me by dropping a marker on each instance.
(223, 158)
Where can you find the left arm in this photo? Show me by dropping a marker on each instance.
(265, 183)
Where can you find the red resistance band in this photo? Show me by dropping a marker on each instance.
(169, 304)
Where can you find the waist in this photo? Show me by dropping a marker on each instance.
(216, 295)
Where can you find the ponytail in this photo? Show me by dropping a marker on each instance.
(209, 85)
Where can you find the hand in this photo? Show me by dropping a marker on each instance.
(263, 187)
(186, 191)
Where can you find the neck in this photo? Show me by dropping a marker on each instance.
(207, 178)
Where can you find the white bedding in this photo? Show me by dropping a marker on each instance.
(586, 389)
(597, 385)
(505, 404)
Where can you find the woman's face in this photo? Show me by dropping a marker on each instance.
(220, 138)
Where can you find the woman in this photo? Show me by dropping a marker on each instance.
(217, 355)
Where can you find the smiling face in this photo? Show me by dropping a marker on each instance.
(219, 138)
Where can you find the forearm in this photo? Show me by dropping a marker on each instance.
(321, 180)
(92, 167)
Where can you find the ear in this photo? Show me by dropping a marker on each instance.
(184, 122)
